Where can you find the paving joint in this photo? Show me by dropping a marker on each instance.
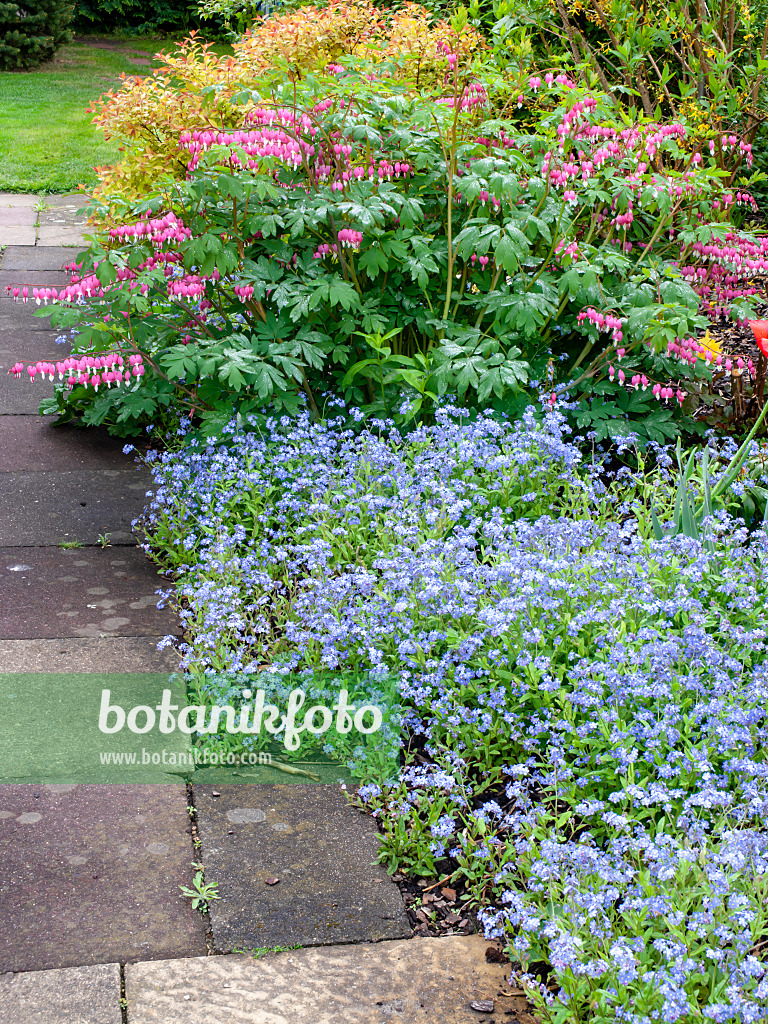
(123, 1000)
(196, 855)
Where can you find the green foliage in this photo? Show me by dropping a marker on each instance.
(30, 33)
(137, 16)
(613, 414)
(197, 87)
(236, 16)
(463, 272)
(687, 518)
(706, 66)
(200, 892)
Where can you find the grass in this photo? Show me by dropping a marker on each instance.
(47, 142)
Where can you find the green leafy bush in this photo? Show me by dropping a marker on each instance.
(395, 248)
(30, 33)
(237, 16)
(134, 16)
(662, 58)
(194, 87)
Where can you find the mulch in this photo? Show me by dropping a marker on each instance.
(735, 399)
(433, 909)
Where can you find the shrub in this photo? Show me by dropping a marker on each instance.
(30, 33)
(237, 16)
(195, 88)
(313, 37)
(146, 115)
(706, 66)
(397, 248)
(133, 16)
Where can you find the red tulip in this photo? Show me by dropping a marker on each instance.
(760, 331)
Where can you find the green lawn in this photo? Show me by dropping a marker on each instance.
(47, 141)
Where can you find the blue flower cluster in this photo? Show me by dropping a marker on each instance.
(586, 706)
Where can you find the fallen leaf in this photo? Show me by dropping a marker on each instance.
(271, 881)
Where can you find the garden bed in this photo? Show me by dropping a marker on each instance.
(583, 705)
(417, 320)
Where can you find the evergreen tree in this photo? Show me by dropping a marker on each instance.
(32, 31)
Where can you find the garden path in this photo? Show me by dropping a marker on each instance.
(27, 220)
(95, 930)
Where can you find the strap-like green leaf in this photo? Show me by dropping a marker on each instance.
(688, 519)
(658, 533)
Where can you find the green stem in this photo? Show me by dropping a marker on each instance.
(494, 282)
(591, 342)
(461, 291)
(545, 328)
(550, 254)
(310, 396)
(451, 170)
(663, 222)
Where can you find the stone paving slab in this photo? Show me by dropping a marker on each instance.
(48, 507)
(25, 318)
(18, 199)
(17, 216)
(33, 442)
(31, 279)
(60, 224)
(19, 316)
(66, 205)
(18, 400)
(321, 849)
(28, 257)
(421, 981)
(22, 397)
(91, 875)
(77, 995)
(47, 593)
(29, 346)
(74, 654)
(51, 234)
(18, 235)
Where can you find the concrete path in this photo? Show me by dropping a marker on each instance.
(40, 221)
(424, 981)
(95, 930)
(92, 873)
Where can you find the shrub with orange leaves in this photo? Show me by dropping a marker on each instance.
(195, 88)
(423, 46)
(312, 37)
(146, 115)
